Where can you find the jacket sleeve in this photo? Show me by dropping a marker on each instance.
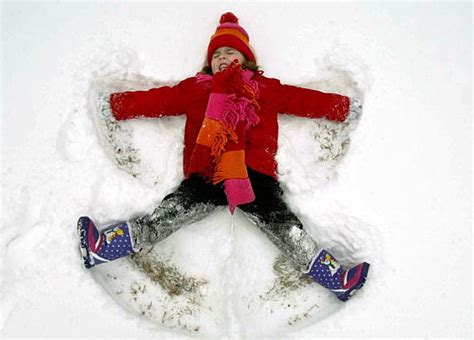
(154, 103)
(309, 103)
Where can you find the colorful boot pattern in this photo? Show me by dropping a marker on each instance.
(328, 272)
(99, 247)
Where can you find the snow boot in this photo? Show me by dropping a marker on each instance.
(326, 271)
(103, 246)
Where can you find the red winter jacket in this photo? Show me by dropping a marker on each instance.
(190, 98)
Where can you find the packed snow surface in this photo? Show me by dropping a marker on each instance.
(399, 196)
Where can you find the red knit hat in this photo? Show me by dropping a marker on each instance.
(230, 33)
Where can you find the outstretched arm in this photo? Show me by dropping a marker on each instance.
(154, 103)
(309, 103)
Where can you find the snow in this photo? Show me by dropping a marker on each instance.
(402, 196)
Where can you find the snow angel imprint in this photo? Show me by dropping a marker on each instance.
(230, 143)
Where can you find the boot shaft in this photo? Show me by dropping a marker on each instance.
(328, 272)
(103, 246)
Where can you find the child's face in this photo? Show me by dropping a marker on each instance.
(223, 56)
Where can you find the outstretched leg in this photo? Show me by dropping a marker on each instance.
(193, 200)
(271, 214)
(275, 219)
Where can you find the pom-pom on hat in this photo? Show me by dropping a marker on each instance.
(230, 33)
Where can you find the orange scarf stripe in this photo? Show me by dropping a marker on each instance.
(215, 135)
(233, 32)
(230, 165)
(208, 132)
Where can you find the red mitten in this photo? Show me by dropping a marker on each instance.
(226, 81)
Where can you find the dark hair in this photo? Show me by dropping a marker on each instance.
(249, 65)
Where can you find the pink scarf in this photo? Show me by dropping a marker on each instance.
(220, 146)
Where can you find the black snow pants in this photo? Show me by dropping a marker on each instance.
(195, 199)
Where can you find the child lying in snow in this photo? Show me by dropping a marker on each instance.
(230, 144)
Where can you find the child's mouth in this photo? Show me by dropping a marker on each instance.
(223, 67)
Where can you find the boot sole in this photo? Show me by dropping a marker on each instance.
(363, 276)
(82, 231)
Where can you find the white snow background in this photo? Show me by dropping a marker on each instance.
(405, 184)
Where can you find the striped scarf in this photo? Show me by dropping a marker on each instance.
(219, 152)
